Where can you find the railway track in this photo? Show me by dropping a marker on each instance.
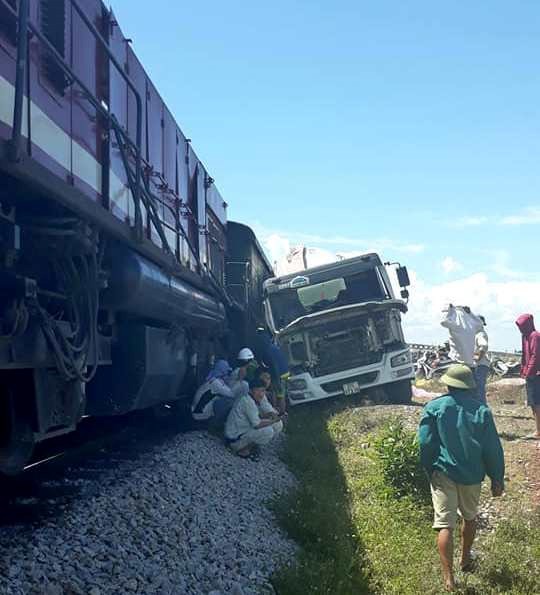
(65, 467)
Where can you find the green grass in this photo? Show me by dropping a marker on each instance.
(317, 515)
(511, 558)
(357, 536)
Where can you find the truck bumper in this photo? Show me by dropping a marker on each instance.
(303, 388)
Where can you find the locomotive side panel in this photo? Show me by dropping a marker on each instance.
(87, 130)
(138, 78)
(103, 319)
(169, 194)
(201, 214)
(8, 41)
(246, 269)
(216, 232)
(120, 197)
(154, 150)
(193, 199)
(187, 257)
(49, 115)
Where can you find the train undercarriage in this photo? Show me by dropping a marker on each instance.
(119, 272)
(88, 327)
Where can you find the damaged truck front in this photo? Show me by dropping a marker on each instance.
(340, 326)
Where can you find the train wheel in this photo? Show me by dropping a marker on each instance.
(180, 406)
(16, 439)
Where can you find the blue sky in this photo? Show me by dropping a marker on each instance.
(411, 127)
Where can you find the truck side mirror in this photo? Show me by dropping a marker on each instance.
(404, 294)
(403, 276)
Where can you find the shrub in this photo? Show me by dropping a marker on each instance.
(397, 452)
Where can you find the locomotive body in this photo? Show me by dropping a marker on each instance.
(113, 236)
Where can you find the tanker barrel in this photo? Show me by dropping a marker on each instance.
(140, 288)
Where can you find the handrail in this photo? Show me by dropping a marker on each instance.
(140, 189)
(24, 26)
(138, 128)
(9, 7)
(22, 57)
(149, 204)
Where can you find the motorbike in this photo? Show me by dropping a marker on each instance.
(501, 369)
(432, 364)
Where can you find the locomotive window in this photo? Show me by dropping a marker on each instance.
(8, 22)
(53, 25)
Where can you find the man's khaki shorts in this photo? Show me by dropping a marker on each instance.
(450, 497)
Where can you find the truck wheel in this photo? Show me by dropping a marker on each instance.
(377, 395)
(399, 392)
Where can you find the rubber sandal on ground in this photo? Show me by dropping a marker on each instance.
(470, 565)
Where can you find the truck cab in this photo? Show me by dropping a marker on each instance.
(340, 326)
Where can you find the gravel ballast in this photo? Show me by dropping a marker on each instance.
(188, 517)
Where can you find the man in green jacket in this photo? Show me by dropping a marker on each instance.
(459, 446)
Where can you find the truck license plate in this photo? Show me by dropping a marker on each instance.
(352, 388)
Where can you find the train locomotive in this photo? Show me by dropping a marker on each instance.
(120, 276)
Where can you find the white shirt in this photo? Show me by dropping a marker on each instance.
(234, 379)
(208, 392)
(481, 344)
(243, 417)
(234, 376)
(265, 406)
(462, 328)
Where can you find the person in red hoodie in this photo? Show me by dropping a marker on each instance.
(530, 365)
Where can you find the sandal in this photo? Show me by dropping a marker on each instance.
(470, 565)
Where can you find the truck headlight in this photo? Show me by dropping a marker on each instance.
(297, 384)
(401, 359)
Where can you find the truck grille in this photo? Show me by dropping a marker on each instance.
(343, 344)
(337, 385)
(348, 357)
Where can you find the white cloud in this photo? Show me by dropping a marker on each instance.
(272, 239)
(470, 221)
(529, 216)
(450, 265)
(276, 247)
(499, 301)
(504, 266)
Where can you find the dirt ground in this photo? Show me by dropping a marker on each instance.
(514, 422)
(342, 450)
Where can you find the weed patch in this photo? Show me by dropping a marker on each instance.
(398, 455)
(362, 516)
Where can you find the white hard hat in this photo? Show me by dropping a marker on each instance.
(246, 354)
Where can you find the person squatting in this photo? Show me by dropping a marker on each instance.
(247, 403)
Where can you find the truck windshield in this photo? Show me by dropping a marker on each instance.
(292, 303)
